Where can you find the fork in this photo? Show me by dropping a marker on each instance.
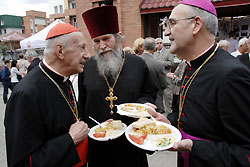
(95, 121)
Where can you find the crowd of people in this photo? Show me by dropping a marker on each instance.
(14, 70)
(205, 97)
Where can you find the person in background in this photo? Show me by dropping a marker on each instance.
(33, 59)
(43, 126)
(14, 72)
(23, 64)
(214, 102)
(6, 80)
(233, 42)
(112, 77)
(156, 71)
(128, 50)
(177, 78)
(245, 58)
(138, 47)
(167, 59)
(224, 44)
(242, 48)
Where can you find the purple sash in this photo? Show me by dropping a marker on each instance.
(185, 155)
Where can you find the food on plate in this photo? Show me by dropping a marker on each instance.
(100, 129)
(148, 126)
(152, 135)
(110, 129)
(142, 122)
(99, 134)
(115, 124)
(164, 141)
(133, 108)
(138, 139)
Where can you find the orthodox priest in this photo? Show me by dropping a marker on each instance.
(42, 122)
(112, 77)
(213, 115)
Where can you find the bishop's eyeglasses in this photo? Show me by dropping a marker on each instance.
(170, 23)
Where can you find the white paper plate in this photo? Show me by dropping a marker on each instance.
(109, 135)
(133, 112)
(150, 141)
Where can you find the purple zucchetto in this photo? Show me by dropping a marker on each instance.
(202, 4)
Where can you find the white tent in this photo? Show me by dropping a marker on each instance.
(38, 40)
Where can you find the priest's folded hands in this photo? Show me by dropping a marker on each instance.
(183, 145)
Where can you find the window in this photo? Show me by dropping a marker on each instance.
(56, 9)
(72, 5)
(61, 8)
(97, 4)
(73, 21)
(39, 20)
(5, 32)
(31, 24)
(22, 31)
(0, 32)
(36, 29)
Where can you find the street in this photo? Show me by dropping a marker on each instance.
(158, 159)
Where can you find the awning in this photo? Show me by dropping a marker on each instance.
(13, 36)
(156, 6)
(38, 40)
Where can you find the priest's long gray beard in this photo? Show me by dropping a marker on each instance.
(110, 63)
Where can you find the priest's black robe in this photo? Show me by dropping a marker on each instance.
(133, 85)
(216, 108)
(37, 122)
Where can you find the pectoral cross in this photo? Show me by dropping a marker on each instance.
(111, 98)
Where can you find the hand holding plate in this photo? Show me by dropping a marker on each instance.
(158, 116)
(183, 145)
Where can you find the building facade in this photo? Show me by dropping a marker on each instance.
(10, 23)
(34, 21)
(142, 18)
(65, 10)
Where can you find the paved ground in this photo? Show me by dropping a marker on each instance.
(158, 159)
(3, 161)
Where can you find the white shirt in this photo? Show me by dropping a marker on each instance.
(236, 53)
(14, 71)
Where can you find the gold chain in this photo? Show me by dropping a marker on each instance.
(75, 113)
(184, 90)
(111, 96)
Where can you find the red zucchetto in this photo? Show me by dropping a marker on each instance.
(60, 29)
(101, 20)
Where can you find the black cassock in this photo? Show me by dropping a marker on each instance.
(37, 122)
(133, 85)
(217, 108)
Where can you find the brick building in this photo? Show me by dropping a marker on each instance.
(34, 21)
(139, 18)
(65, 10)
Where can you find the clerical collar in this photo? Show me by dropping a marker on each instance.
(202, 57)
(49, 67)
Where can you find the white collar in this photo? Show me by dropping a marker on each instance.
(49, 67)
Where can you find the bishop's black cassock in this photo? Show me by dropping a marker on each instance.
(216, 108)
